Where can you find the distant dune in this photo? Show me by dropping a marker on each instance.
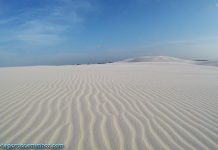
(168, 105)
(155, 59)
(168, 59)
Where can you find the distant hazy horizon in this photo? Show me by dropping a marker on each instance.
(61, 32)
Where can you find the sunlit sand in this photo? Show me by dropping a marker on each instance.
(150, 103)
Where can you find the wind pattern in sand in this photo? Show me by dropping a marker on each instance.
(120, 106)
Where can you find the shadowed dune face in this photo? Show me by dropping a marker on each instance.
(116, 106)
(208, 63)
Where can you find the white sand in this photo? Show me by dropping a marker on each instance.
(119, 106)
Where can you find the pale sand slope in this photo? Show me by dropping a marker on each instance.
(119, 106)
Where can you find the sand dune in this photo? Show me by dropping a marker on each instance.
(155, 59)
(118, 106)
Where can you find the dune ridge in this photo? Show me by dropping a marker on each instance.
(117, 106)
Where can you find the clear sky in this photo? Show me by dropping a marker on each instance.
(56, 32)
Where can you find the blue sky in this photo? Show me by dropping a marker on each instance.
(56, 32)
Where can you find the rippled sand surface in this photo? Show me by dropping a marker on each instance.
(118, 106)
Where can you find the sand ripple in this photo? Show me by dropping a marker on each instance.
(119, 106)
